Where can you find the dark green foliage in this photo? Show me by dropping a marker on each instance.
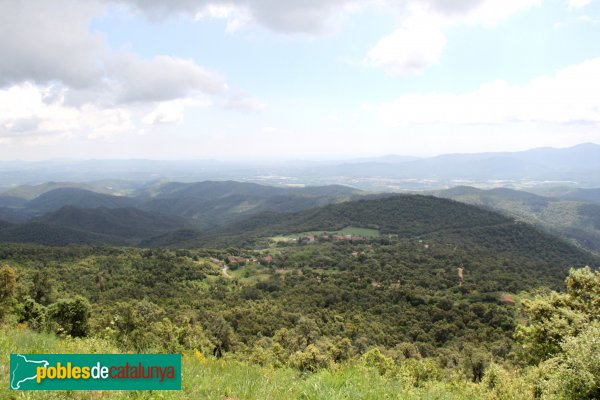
(42, 290)
(552, 318)
(8, 283)
(33, 314)
(403, 215)
(398, 294)
(125, 223)
(38, 232)
(566, 216)
(58, 198)
(79, 216)
(70, 316)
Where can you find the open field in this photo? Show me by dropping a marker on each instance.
(349, 230)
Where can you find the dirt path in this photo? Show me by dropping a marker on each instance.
(224, 269)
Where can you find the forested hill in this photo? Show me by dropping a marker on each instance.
(405, 215)
(409, 216)
(564, 216)
(78, 215)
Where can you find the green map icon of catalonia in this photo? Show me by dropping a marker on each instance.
(23, 369)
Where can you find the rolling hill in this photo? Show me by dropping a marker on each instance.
(81, 198)
(119, 226)
(215, 204)
(573, 220)
(586, 195)
(576, 164)
(127, 223)
(207, 204)
(404, 216)
(155, 209)
(40, 233)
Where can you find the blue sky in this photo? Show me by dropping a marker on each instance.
(287, 79)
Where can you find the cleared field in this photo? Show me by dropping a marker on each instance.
(349, 230)
(354, 231)
(250, 273)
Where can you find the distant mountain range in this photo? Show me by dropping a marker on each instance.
(74, 215)
(228, 213)
(577, 166)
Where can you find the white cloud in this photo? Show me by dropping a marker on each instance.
(492, 12)
(106, 124)
(161, 78)
(286, 16)
(243, 102)
(236, 16)
(578, 3)
(419, 41)
(38, 114)
(23, 112)
(57, 79)
(571, 95)
(320, 16)
(412, 48)
(45, 41)
(172, 112)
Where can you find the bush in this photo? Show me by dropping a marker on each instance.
(417, 372)
(384, 365)
(310, 359)
(70, 316)
(577, 376)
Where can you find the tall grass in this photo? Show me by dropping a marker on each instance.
(208, 378)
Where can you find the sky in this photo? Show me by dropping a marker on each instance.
(291, 79)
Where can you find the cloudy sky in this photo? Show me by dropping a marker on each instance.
(280, 79)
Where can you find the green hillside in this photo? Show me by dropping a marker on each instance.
(216, 204)
(573, 220)
(72, 225)
(121, 222)
(401, 215)
(47, 234)
(58, 198)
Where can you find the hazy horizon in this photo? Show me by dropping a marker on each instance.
(274, 160)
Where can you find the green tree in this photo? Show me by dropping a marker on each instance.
(557, 316)
(221, 334)
(42, 291)
(8, 283)
(70, 316)
(374, 359)
(8, 288)
(33, 314)
(310, 359)
(576, 372)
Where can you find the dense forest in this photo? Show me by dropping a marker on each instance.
(571, 214)
(392, 303)
(420, 294)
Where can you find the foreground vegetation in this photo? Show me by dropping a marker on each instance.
(561, 341)
(473, 308)
(205, 377)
